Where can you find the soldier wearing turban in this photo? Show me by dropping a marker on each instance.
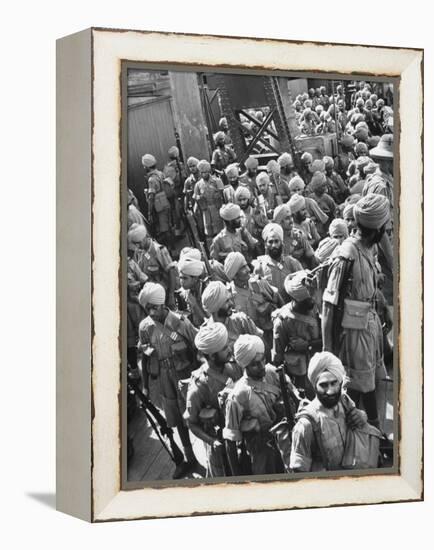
(254, 296)
(166, 341)
(158, 195)
(287, 171)
(296, 329)
(328, 247)
(208, 195)
(318, 185)
(297, 204)
(203, 414)
(234, 237)
(249, 178)
(217, 300)
(153, 259)
(336, 187)
(251, 411)
(254, 218)
(189, 296)
(295, 243)
(359, 345)
(332, 411)
(274, 266)
(223, 154)
(266, 192)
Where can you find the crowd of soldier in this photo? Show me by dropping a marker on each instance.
(267, 289)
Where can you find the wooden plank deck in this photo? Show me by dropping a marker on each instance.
(151, 461)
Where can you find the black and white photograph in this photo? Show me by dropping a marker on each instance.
(260, 243)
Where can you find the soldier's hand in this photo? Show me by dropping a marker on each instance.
(216, 445)
(356, 418)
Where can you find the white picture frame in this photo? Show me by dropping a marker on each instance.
(89, 164)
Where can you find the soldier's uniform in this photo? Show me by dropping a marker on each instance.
(162, 192)
(276, 271)
(203, 408)
(155, 262)
(190, 203)
(222, 156)
(209, 196)
(295, 244)
(226, 241)
(169, 353)
(254, 221)
(251, 410)
(258, 300)
(287, 325)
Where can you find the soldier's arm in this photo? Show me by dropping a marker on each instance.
(330, 301)
(277, 353)
(301, 449)
(232, 433)
(193, 406)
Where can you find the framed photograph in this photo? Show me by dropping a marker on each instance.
(239, 275)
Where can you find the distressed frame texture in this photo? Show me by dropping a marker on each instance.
(90, 375)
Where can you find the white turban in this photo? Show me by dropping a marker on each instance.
(285, 159)
(295, 183)
(318, 165)
(372, 211)
(295, 286)
(203, 165)
(232, 170)
(219, 135)
(306, 157)
(325, 361)
(192, 160)
(242, 192)
(211, 338)
(272, 229)
(262, 177)
(188, 252)
(328, 162)
(246, 348)
(280, 212)
(214, 296)
(338, 224)
(173, 151)
(325, 249)
(136, 233)
(296, 203)
(251, 162)
(230, 211)
(152, 293)
(317, 181)
(190, 266)
(149, 161)
(233, 263)
(273, 166)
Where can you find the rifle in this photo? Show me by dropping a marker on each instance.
(339, 308)
(157, 422)
(286, 396)
(194, 235)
